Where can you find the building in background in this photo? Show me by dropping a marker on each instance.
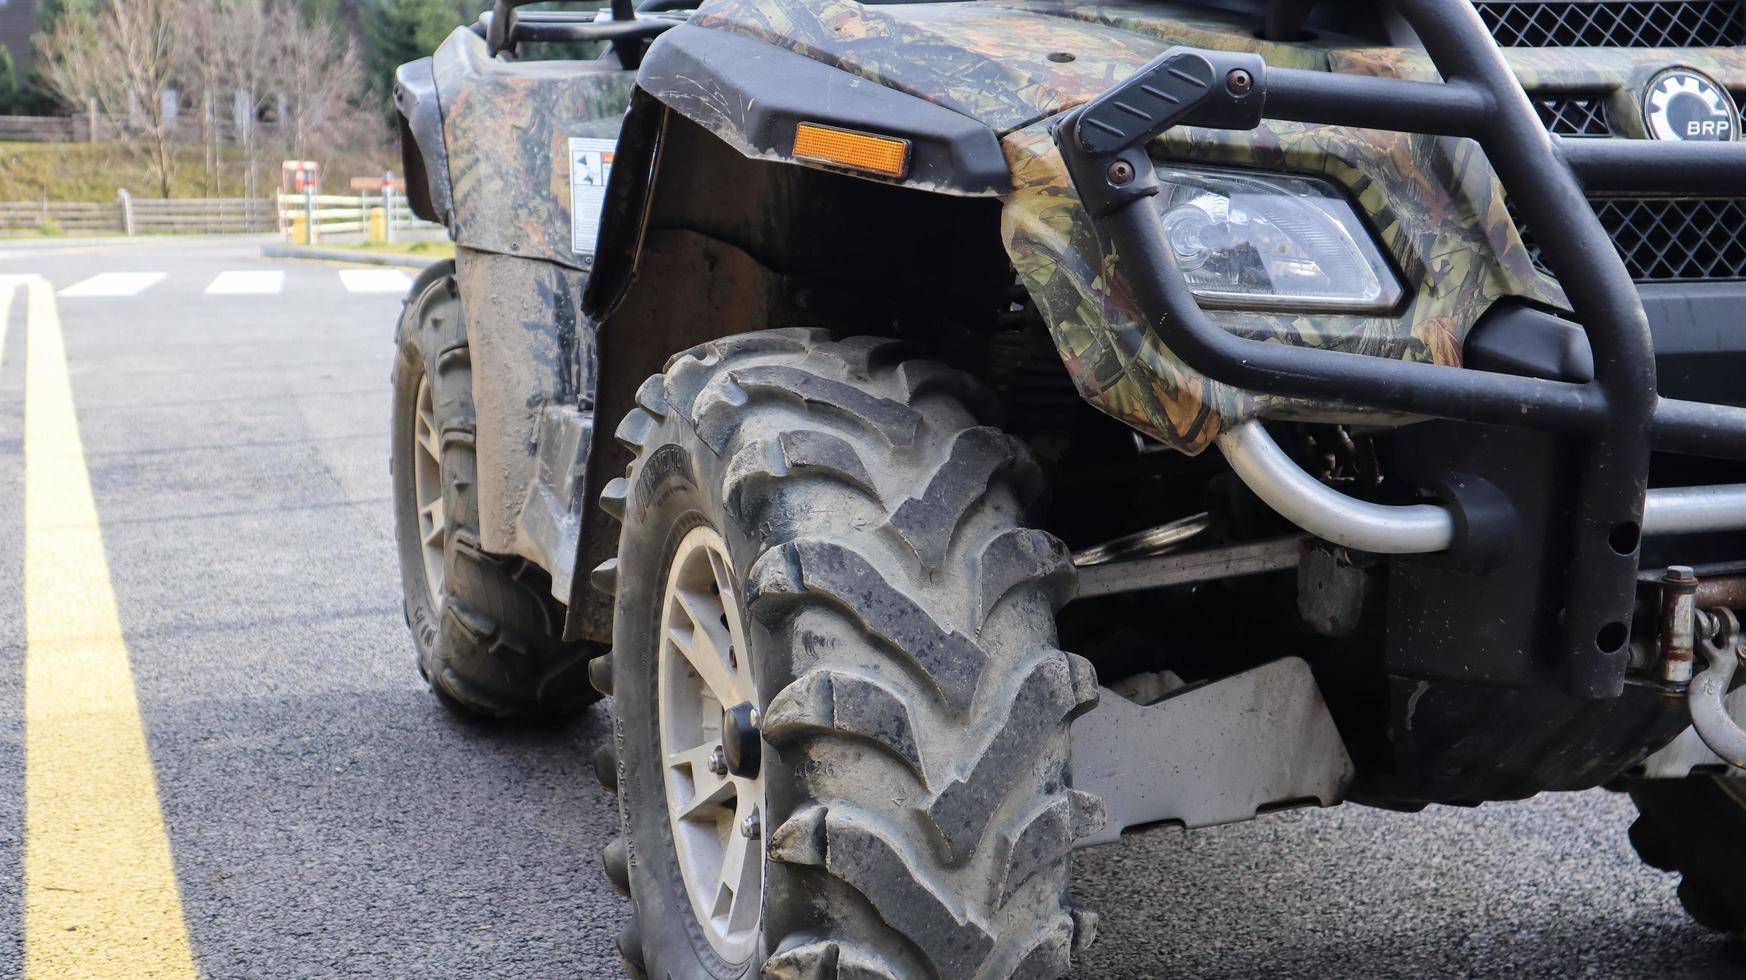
(17, 24)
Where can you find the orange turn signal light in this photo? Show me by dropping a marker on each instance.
(882, 155)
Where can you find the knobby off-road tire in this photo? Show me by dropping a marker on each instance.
(488, 634)
(1696, 827)
(918, 818)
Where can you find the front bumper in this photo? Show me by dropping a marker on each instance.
(1617, 419)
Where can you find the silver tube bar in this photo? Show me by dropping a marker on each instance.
(1682, 510)
(1325, 512)
(1420, 528)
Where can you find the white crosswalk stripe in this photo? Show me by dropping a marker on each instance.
(375, 280)
(113, 284)
(247, 283)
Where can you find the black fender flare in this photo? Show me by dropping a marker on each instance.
(752, 96)
(424, 157)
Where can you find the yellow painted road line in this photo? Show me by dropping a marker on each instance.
(99, 886)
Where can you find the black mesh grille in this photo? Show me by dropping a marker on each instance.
(1614, 23)
(1573, 116)
(1668, 240)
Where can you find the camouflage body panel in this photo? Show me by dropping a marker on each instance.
(1009, 63)
(1434, 204)
(508, 125)
(1005, 63)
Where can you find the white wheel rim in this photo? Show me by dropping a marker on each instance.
(427, 489)
(704, 669)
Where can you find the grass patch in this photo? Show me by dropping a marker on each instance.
(428, 250)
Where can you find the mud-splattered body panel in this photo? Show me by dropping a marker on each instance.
(508, 127)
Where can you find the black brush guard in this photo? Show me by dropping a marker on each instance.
(1617, 418)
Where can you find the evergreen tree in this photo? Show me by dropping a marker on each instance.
(398, 31)
(30, 95)
(328, 11)
(9, 94)
(49, 12)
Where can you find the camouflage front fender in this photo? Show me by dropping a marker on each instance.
(1012, 65)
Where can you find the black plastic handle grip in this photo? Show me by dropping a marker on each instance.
(1182, 85)
(1104, 140)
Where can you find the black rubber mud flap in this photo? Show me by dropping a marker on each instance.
(491, 643)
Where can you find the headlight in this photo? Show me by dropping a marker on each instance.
(1272, 241)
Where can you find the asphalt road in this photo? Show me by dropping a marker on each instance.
(327, 818)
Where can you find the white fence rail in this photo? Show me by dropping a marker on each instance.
(347, 214)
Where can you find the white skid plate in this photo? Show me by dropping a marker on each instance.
(1212, 754)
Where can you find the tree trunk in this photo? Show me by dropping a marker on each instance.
(163, 142)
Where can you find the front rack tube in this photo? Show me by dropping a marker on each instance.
(1416, 529)
(1616, 416)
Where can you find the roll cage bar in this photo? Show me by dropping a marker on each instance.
(504, 26)
(1618, 417)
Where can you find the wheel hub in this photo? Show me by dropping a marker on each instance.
(741, 744)
(710, 745)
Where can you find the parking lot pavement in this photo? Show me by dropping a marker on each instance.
(325, 817)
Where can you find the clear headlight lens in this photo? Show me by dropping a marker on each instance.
(1273, 241)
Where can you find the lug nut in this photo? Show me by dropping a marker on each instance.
(1239, 81)
(751, 827)
(1120, 172)
(718, 763)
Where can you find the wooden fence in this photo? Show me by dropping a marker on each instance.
(128, 215)
(54, 216)
(86, 128)
(329, 214)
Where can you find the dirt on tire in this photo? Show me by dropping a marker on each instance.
(1691, 827)
(916, 709)
(491, 643)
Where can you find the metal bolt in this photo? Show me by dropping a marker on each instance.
(1239, 81)
(1679, 624)
(751, 827)
(718, 762)
(1120, 172)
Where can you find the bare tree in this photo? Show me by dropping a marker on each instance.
(321, 77)
(125, 60)
(203, 72)
(246, 53)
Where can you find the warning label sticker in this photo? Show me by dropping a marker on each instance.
(590, 165)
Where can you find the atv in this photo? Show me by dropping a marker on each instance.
(957, 433)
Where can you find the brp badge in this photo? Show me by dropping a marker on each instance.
(1681, 104)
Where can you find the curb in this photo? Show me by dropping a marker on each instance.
(281, 251)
